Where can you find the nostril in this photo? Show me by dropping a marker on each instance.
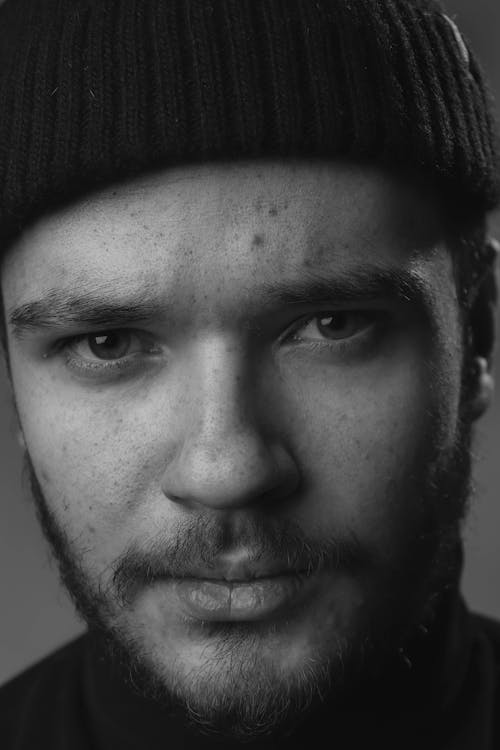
(242, 476)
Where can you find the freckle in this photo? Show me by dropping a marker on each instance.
(273, 211)
(258, 240)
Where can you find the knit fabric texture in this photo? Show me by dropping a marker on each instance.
(94, 91)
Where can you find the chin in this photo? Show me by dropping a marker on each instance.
(241, 679)
(237, 680)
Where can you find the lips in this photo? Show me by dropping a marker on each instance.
(235, 599)
(245, 570)
(241, 585)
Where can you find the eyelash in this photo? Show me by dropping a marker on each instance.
(374, 316)
(123, 364)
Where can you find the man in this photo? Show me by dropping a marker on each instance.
(248, 299)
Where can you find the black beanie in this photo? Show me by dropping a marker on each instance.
(92, 91)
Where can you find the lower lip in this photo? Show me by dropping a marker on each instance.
(224, 601)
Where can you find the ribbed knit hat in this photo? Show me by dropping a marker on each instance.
(92, 91)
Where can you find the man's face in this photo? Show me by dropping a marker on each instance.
(239, 392)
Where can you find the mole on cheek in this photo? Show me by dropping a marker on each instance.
(258, 240)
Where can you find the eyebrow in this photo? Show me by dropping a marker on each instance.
(96, 306)
(357, 285)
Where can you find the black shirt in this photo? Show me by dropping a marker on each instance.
(449, 699)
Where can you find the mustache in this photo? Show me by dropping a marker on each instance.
(199, 543)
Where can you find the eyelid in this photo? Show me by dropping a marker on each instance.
(130, 361)
(373, 315)
(80, 364)
(68, 341)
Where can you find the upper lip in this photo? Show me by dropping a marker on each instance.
(244, 571)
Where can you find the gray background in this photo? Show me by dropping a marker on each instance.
(35, 613)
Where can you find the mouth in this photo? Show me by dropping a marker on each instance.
(226, 599)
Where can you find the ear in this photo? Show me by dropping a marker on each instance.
(483, 389)
(482, 325)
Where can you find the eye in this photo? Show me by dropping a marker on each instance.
(335, 325)
(105, 352)
(106, 345)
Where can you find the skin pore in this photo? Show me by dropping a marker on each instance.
(232, 429)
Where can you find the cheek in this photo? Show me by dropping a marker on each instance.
(367, 443)
(94, 471)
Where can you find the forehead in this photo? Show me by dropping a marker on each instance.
(208, 225)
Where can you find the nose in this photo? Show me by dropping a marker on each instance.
(226, 457)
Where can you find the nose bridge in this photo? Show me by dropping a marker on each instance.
(222, 393)
(227, 456)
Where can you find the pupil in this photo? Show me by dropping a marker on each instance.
(336, 321)
(108, 344)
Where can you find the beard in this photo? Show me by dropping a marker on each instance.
(413, 592)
